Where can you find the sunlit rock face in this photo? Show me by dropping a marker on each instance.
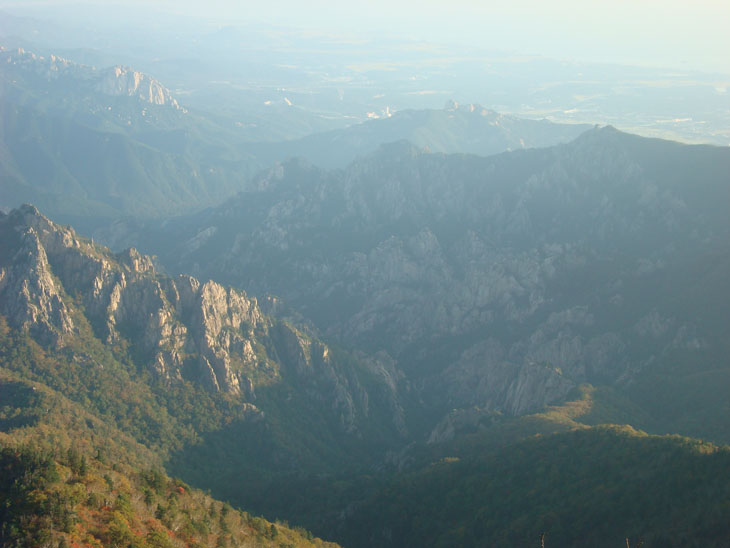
(54, 282)
(125, 81)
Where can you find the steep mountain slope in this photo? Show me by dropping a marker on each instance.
(501, 282)
(69, 478)
(223, 394)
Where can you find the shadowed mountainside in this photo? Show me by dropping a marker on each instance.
(501, 282)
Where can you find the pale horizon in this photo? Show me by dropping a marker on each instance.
(669, 34)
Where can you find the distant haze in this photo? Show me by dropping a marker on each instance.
(672, 33)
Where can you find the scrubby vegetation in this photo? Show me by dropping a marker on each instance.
(60, 497)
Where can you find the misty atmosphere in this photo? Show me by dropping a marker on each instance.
(393, 275)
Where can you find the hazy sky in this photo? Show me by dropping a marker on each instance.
(680, 33)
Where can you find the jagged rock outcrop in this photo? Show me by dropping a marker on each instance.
(165, 319)
(29, 296)
(114, 81)
(49, 68)
(178, 328)
(129, 82)
(484, 377)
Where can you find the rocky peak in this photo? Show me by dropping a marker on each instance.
(50, 67)
(29, 295)
(135, 262)
(120, 81)
(114, 81)
(27, 215)
(454, 106)
(123, 297)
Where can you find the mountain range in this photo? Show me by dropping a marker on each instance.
(111, 370)
(435, 328)
(454, 129)
(88, 145)
(501, 282)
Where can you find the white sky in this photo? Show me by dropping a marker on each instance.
(683, 34)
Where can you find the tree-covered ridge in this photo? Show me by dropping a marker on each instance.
(73, 476)
(403, 503)
(43, 431)
(63, 498)
(588, 487)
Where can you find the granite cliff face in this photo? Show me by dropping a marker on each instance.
(28, 292)
(125, 81)
(180, 329)
(500, 282)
